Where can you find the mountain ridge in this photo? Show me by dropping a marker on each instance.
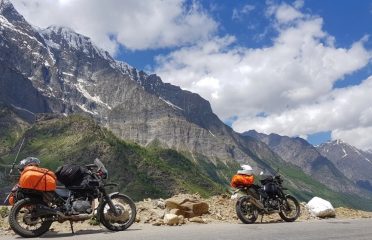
(58, 71)
(356, 164)
(304, 155)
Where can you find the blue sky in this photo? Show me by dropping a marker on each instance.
(296, 68)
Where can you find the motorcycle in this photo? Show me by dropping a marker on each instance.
(267, 198)
(34, 211)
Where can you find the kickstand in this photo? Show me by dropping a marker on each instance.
(261, 218)
(72, 228)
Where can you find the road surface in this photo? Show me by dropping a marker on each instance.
(360, 229)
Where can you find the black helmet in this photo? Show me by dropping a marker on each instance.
(29, 161)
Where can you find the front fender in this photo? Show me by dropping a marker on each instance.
(112, 194)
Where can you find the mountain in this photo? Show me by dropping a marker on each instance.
(304, 155)
(352, 162)
(61, 73)
(56, 140)
(141, 172)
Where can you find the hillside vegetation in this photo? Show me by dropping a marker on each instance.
(141, 172)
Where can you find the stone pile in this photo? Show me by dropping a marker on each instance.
(177, 210)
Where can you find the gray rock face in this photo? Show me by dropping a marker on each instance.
(304, 155)
(354, 163)
(58, 70)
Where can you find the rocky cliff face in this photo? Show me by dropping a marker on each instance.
(58, 70)
(304, 155)
(354, 163)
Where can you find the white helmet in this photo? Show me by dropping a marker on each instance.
(246, 170)
(29, 161)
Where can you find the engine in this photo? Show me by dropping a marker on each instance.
(81, 206)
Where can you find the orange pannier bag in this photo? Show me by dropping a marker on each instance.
(40, 179)
(241, 180)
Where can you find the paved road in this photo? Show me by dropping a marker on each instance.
(324, 229)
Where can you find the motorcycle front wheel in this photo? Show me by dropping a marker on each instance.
(290, 209)
(246, 211)
(23, 222)
(126, 213)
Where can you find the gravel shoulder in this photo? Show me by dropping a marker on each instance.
(221, 211)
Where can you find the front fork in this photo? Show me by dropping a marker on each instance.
(107, 197)
(283, 196)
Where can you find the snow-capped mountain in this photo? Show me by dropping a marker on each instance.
(354, 163)
(58, 70)
(304, 155)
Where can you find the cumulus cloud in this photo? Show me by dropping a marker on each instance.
(145, 24)
(359, 137)
(286, 87)
(346, 111)
(291, 81)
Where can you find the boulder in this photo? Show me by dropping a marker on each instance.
(171, 219)
(319, 207)
(176, 211)
(160, 203)
(186, 207)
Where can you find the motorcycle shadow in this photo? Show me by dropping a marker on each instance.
(271, 221)
(54, 234)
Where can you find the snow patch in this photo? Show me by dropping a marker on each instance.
(211, 133)
(171, 104)
(87, 95)
(82, 107)
(345, 153)
(5, 23)
(68, 74)
(52, 44)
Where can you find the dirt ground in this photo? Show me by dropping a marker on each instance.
(221, 210)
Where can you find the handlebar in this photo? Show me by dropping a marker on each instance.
(91, 166)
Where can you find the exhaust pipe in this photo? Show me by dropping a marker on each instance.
(43, 211)
(256, 203)
(75, 218)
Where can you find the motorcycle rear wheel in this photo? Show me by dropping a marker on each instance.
(23, 223)
(291, 211)
(246, 211)
(127, 215)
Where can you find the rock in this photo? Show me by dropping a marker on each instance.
(181, 220)
(159, 222)
(176, 211)
(319, 207)
(160, 203)
(172, 204)
(171, 219)
(197, 220)
(186, 207)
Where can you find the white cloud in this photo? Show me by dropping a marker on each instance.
(285, 88)
(239, 13)
(291, 80)
(299, 4)
(145, 24)
(360, 137)
(342, 110)
(284, 13)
